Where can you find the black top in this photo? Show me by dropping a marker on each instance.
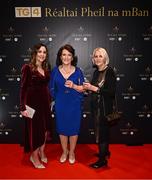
(107, 91)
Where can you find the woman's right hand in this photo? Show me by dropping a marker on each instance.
(86, 86)
(24, 113)
(89, 86)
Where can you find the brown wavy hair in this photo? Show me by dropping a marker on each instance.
(33, 56)
(69, 48)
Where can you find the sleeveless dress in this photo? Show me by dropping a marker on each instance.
(68, 102)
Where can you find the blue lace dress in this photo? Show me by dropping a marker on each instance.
(68, 102)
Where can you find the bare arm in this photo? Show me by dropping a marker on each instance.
(70, 84)
(89, 86)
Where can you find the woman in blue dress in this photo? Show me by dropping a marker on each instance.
(66, 86)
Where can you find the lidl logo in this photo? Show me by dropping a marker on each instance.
(22, 12)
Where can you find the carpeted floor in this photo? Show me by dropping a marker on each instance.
(126, 162)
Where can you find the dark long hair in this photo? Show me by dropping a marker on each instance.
(33, 56)
(69, 48)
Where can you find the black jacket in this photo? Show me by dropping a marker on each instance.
(106, 94)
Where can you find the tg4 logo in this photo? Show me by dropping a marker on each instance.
(27, 12)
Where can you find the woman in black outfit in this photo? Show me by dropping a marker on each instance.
(103, 87)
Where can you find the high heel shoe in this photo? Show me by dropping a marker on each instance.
(72, 159)
(99, 164)
(37, 166)
(63, 157)
(43, 159)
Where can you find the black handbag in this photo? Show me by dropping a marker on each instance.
(114, 117)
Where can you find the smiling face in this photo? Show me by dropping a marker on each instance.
(66, 57)
(41, 54)
(100, 58)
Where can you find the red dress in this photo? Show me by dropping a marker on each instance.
(34, 92)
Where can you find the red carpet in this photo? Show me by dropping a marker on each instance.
(126, 162)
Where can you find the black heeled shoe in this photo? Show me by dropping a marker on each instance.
(99, 164)
(108, 154)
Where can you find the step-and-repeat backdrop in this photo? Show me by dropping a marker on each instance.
(123, 28)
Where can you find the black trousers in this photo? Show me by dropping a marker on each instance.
(103, 144)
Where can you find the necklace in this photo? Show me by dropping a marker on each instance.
(65, 71)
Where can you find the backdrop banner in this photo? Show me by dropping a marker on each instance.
(124, 29)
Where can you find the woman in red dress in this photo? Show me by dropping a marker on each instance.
(34, 93)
